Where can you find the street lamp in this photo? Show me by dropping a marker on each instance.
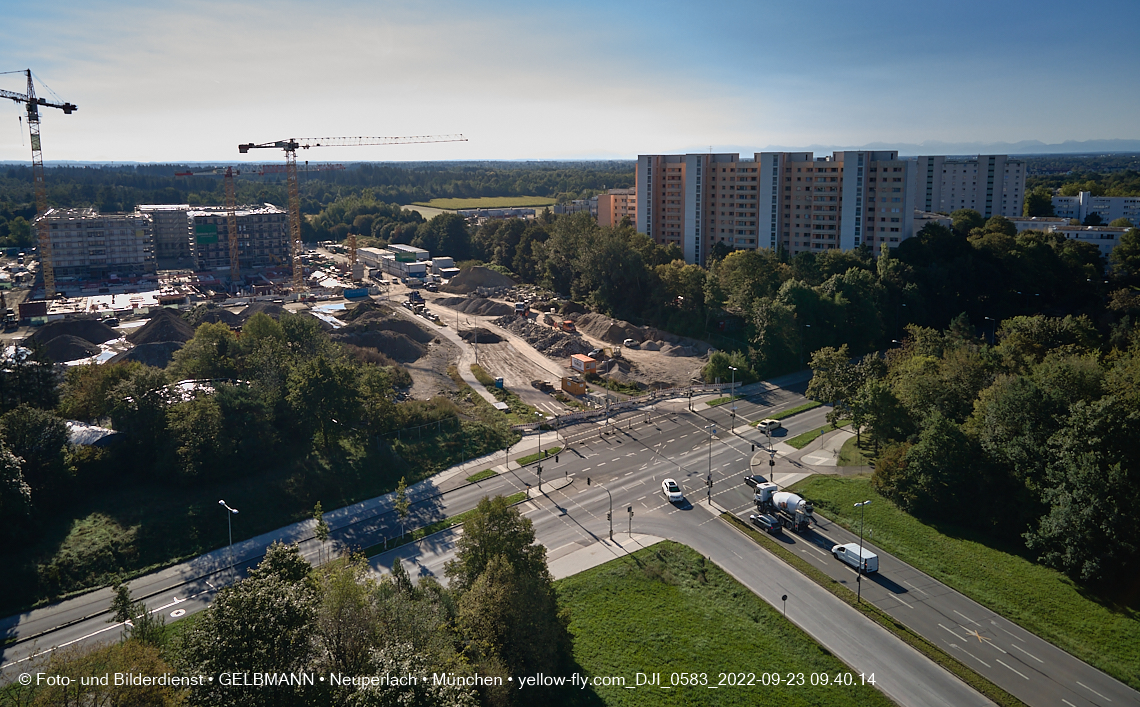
(859, 580)
(610, 515)
(732, 395)
(708, 481)
(230, 527)
(993, 335)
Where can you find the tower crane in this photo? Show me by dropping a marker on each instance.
(228, 174)
(291, 146)
(33, 103)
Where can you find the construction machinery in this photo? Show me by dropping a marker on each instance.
(228, 174)
(291, 146)
(33, 104)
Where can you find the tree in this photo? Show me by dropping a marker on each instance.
(937, 478)
(966, 220)
(321, 529)
(1093, 219)
(197, 434)
(139, 412)
(15, 494)
(40, 439)
(347, 625)
(881, 412)
(1121, 222)
(1125, 257)
(212, 353)
(324, 397)
(27, 376)
(404, 659)
(1038, 202)
(495, 529)
(78, 663)
(139, 623)
(402, 503)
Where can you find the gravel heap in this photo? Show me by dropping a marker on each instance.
(158, 354)
(212, 314)
(613, 331)
(392, 344)
(90, 330)
(479, 335)
(548, 341)
(164, 325)
(472, 278)
(479, 306)
(271, 309)
(69, 348)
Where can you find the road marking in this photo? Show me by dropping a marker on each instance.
(601, 463)
(983, 639)
(959, 613)
(1093, 691)
(896, 596)
(1016, 671)
(588, 468)
(915, 588)
(671, 440)
(1029, 654)
(954, 645)
(995, 624)
(1067, 702)
(951, 632)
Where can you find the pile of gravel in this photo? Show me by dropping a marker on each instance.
(479, 306)
(380, 322)
(212, 314)
(366, 308)
(271, 309)
(158, 354)
(164, 325)
(69, 348)
(471, 279)
(550, 342)
(90, 330)
(392, 344)
(613, 331)
(479, 335)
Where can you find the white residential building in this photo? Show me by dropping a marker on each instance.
(1109, 208)
(992, 185)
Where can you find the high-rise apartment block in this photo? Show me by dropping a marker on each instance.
(1109, 208)
(803, 203)
(615, 205)
(992, 185)
(171, 230)
(263, 236)
(89, 245)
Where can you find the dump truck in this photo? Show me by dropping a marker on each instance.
(790, 509)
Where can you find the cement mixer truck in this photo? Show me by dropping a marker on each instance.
(791, 510)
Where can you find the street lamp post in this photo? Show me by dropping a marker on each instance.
(610, 515)
(732, 395)
(859, 580)
(231, 512)
(708, 481)
(993, 335)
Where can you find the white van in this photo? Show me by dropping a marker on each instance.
(849, 553)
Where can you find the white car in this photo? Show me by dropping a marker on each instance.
(672, 491)
(768, 425)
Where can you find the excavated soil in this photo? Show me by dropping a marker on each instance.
(164, 325)
(89, 330)
(367, 308)
(479, 335)
(471, 278)
(69, 348)
(479, 306)
(550, 342)
(380, 322)
(158, 354)
(392, 344)
(212, 314)
(271, 309)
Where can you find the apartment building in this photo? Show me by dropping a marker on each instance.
(263, 236)
(992, 185)
(789, 200)
(89, 245)
(615, 205)
(1109, 208)
(171, 231)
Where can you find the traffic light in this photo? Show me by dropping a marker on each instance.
(754, 447)
(609, 516)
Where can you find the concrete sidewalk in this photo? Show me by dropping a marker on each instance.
(599, 553)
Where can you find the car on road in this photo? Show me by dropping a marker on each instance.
(672, 491)
(751, 480)
(768, 425)
(850, 553)
(766, 523)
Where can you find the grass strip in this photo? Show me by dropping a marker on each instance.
(912, 639)
(1037, 598)
(784, 414)
(442, 524)
(485, 474)
(854, 454)
(801, 441)
(722, 401)
(519, 412)
(530, 458)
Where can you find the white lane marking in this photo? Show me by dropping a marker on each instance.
(601, 463)
(915, 588)
(1067, 702)
(672, 440)
(959, 613)
(628, 473)
(1028, 654)
(952, 645)
(951, 632)
(1016, 671)
(210, 585)
(177, 613)
(896, 596)
(1093, 691)
(588, 468)
(995, 624)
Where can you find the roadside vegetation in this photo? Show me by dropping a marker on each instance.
(666, 609)
(803, 440)
(1002, 578)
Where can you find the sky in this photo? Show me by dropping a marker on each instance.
(181, 81)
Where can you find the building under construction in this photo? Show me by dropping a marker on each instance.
(263, 236)
(87, 245)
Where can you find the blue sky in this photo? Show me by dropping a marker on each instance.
(188, 81)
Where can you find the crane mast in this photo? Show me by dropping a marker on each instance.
(38, 183)
(291, 146)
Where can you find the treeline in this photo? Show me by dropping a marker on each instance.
(121, 188)
(497, 619)
(1120, 183)
(1060, 164)
(1030, 441)
(283, 399)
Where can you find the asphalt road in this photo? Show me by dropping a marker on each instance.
(630, 457)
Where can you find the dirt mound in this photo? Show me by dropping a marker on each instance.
(69, 348)
(651, 346)
(212, 314)
(479, 335)
(164, 325)
(479, 306)
(471, 278)
(550, 342)
(367, 308)
(271, 309)
(569, 308)
(392, 344)
(158, 354)
(613, 331)
(89, 330)
(380, 322)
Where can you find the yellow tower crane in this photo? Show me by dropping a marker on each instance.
(33, 105)
(291, 146)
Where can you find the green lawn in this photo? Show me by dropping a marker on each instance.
(784, 414)
(519, 413)
(485, 474)
(1039, 599)
(489, 202)
(666, 610)
(722, 401)
(523, 461)
(853, 454)
(801, 441)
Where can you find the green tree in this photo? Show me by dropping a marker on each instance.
(1093, 219)
(212, 353)
(15, 494)
(966, 220)
(347, 624)
(884, 417)
(197, 434)
(1038, 202)
(1125, 257)
(402, 503)
(1121, 222)
(937, 479)
(321, 528)
(40, 439)
(27, 377)
(404, 659)
(140, 624)
(323, 396)
(86, 391)
(19, 232)
(495, 529)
